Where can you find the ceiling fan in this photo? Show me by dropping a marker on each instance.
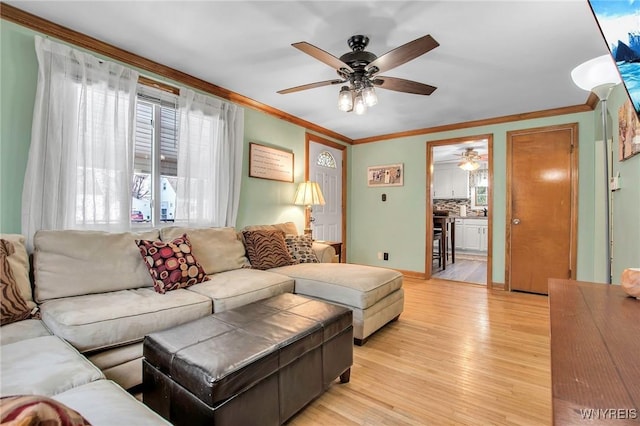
(360, 69)
(471, 154)
(469, 159)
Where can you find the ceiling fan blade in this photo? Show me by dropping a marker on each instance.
(322, 56)
(310, 86)
(403, 54)
(402, 85)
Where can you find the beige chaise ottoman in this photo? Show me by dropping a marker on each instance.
(374, 294)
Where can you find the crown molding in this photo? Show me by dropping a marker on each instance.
(479, 123)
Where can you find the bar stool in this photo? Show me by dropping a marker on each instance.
(437, 236)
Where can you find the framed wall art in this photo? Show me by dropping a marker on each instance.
(629, 132)
(390, 175)
(266, 162)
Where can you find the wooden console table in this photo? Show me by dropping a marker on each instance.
(595, 353)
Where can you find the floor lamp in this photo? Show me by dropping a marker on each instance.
(599, 76)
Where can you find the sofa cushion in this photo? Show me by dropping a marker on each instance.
(38, 410)
(19, 262)
(359, 286)
(105, 403)
(12, 306)
(324, 252)
(172, 264)
(242, 286)
(286, 227)
(218, 249)
(267, 249)
(43, 366)
(301, 248)
(23, 330)
(100, 321)
(73, 263)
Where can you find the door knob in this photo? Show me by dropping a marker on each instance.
(515, 221)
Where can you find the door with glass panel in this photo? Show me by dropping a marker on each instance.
(325, 167)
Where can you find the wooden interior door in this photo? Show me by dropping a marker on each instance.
(541, 206)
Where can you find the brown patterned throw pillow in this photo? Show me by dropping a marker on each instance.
(300, 248)
(13, 306)
(266, 249)
(38, 410)
(172, 265)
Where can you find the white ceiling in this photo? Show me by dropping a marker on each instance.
(495, 58)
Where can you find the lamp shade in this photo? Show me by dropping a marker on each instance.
(596, 72)
(359, 106)
(469, 165)
(369, 96)
(345, 99)
(309, 194)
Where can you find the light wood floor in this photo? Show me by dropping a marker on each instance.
(467, 270)
(459, 355)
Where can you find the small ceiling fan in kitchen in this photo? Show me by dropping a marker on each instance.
(470, 159)
(359, 71)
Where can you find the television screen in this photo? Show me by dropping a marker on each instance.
(619, 22)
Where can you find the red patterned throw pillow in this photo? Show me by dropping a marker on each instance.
(38, 410)
(172, 265)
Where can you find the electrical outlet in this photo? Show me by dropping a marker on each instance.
(379, 255)
(386, 256)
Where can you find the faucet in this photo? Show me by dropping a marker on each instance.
(484, 210)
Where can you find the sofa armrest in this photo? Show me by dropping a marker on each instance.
(324, 252)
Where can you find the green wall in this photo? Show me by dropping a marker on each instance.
(266, 201)
(400, 224)
(625, 203)
(18, 77)
(396, 226)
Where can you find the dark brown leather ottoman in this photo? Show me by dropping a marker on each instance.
(256, 364)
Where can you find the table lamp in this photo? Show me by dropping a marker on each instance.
(309, 194)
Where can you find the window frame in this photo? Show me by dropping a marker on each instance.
(157, 99)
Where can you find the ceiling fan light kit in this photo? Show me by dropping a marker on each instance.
(359, 106)
(469, 165)
(469, 161)
(345, 99)
(360, 69)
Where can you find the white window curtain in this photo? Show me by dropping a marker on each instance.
(80, 162)
(210, 146)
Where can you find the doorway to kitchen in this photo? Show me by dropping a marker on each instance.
(459, 185)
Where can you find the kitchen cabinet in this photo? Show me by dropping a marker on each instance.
(459, 234)
(475, 234)
(450, 181)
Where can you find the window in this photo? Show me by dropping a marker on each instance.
(153, 189)
(325, 159)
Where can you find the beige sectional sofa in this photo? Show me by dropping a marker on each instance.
(35, 362)
(97, 298)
